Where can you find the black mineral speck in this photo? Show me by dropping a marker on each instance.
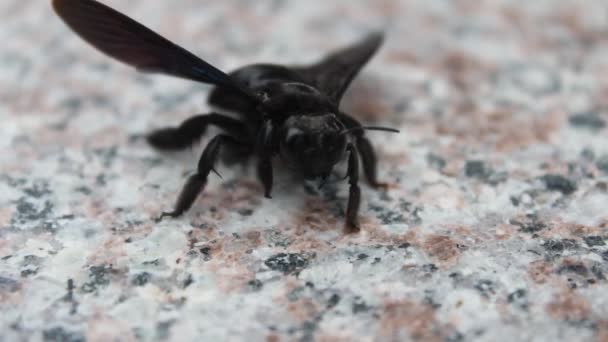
(28, 272)
(8, 284)
(480, 170)
(188, 281)
(206, 253)
(579, 269)
(362, 256)
(495, 178)
(514, 201)
(456, 277)
(30, 212)
(163, 329)
(485, 286)
(38, 189)
(359, 305)
(412, 210)
(308, 329)
(296, 293)
(59, 334)
(518, 298)
(435, 161)
(588, 154)
(333, 300)
(602, 163)
(559, 245)
(455, 337)
(245, 212)
(386, 215)
(286, 262)
(429, 268)
(31, 260)
(429, 299)
(154, 262)
(559, 183)
(598, 271)
(475, 169)
(531, 225)
(594, 240)
(83, 190)
(513, 296)
(70, 288)
(69, 296)
(72, 104)
(107, 155)
(141, 279)
(255, 284)
(99, 276)
(590, 120)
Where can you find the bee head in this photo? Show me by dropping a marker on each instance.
(313, 144)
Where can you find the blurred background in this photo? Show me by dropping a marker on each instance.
(494, 227)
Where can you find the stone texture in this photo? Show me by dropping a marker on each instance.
(494, 227)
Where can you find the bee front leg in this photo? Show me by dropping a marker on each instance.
(366, 151)
(354, 193)
(370, 162)
(196, 183)
(265, 147)
(265, 175)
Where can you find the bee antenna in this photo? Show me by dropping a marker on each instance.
(369, 128)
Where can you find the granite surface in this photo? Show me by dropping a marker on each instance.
(494, 228)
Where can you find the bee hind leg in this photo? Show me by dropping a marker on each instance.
(196, 183)
(191, 130)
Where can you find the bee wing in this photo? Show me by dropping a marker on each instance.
(333, 74)
(130, 42)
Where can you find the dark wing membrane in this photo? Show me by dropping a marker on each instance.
(130, 42)
(333, 74)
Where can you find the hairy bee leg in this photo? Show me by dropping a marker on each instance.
(265, 175)
(196, 183)
(264, 150)
(366, 151)
(369, 162)
(184, 135)
(354, 193)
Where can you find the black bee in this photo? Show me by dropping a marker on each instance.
(290, 112)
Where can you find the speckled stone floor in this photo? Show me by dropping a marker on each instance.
(495, 227)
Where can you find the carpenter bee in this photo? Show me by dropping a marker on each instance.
(287, 112)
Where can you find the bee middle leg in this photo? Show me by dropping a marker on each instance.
(189, 131)
(196, 183)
